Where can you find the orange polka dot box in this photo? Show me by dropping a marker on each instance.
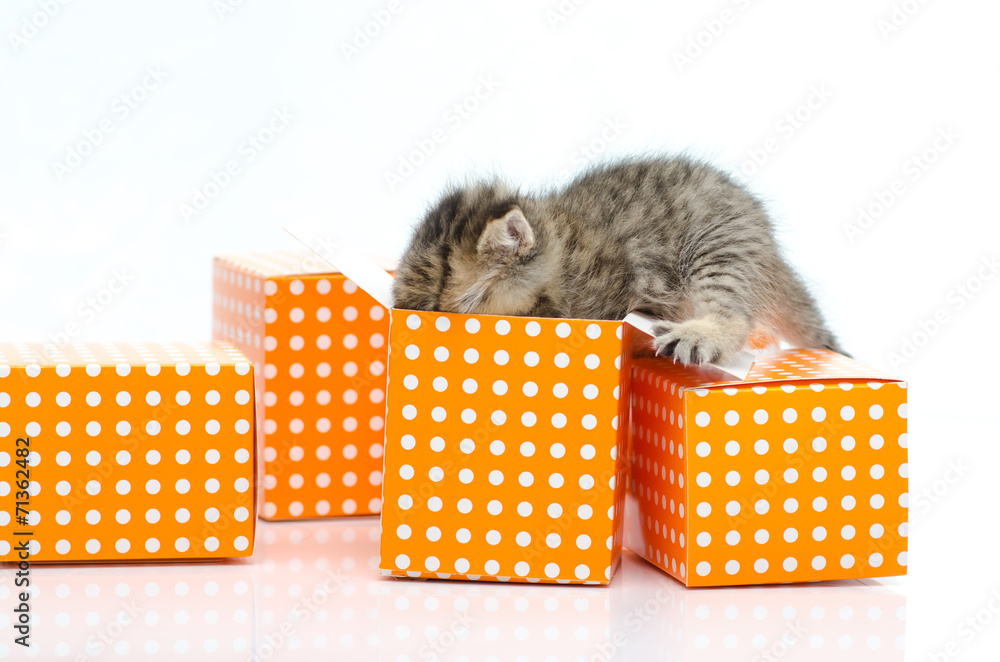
(126, 452)
(789, 469)
(502, 459)
(320, 346)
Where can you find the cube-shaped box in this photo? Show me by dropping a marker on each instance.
(320, 346)
(126, 452)
(795, 473)
(503, 458)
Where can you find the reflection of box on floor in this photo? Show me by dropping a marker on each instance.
(126, 451)
(315, 580)
(794, 472)
(136, 612)
(320, 347)
(844, 620)
(481, 622)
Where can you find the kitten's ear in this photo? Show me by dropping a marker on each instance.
(507, 236)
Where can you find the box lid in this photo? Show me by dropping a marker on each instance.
(270, 264)
(771, 365)
(78, 354)
(368, 274)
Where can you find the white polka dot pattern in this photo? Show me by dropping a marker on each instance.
(321, 346)
(502, 449)
(138, 451)
(798, 480)
(810, 364)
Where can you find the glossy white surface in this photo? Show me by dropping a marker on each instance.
(314, 592)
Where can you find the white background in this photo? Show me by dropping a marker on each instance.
(881, 94)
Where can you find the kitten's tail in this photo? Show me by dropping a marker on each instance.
(800, 319)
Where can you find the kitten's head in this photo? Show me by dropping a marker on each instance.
(477, 251)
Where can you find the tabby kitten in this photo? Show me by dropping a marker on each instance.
(673, 238)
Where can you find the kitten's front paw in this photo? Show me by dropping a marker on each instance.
(692, 342)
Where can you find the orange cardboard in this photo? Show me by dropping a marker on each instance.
(125, 452)
(502, 457)
(503, 460)
(796, 473)
(320, 346)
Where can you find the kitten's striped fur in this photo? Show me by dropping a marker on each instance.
(673, 238)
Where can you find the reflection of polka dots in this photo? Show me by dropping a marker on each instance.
(119, 441)
(516, 454)
(318, 340)
(322, 577)
(769, 484)
(822, 623)
(472, 622)
(161, 612)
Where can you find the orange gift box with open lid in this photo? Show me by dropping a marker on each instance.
(503, 458)
(792, 469)
(320, 346)
(126, 452)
